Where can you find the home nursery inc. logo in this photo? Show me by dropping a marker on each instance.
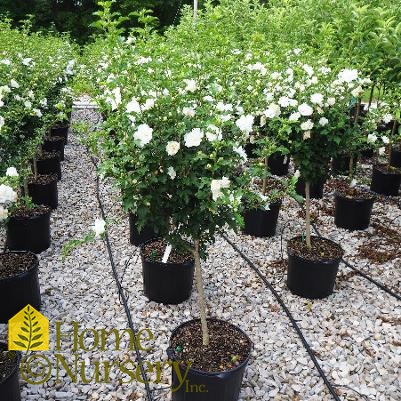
(28, 332)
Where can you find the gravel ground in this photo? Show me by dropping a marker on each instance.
(355, 333)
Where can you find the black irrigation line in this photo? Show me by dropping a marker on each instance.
(121, 292)
(290, 317)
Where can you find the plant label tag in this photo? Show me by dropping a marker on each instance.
(166, 254)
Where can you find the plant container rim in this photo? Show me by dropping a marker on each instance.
(341, 195)
(34, 266)
(142, 246)
(172, 356)
(323, 260)
(48, 212)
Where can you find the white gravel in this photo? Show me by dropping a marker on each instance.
(355, 333)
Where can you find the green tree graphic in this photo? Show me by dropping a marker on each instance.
(30, 331)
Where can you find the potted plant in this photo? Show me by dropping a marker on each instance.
(27, 224)
(262, 202)
(174, 156)
(9, 374)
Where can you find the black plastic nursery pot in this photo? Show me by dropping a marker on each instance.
(385, 181)
(251, 150)
(139, 237)
(44, 192)
(167, 283)
(9, 383)
(60, 130)
(278, 164)
(261, 222)
(311, 278)
(352, 213)
(367, 153)
(29, 233)
(21, 289)
(316, 190)
(49, 164)
(207, 386)
(395, 158)
(54, 144)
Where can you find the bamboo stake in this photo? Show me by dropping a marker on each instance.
(307, 216)
(201, 295)
(195, 10)
(390, 150)
(264, 186)
(371, 96)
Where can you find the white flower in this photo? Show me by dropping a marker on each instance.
(372, 138)
(387, 118)
(3, 213)
(245, 123)
(208, 98)
(172, 148)
(114, 100)
(353, 183)
(241, 151)
(382, 151)
(272, 111)
(324, 70)
(2, 122)
(284, 101)
(143, 134)
(217, 185)
(191, 85)
(347, 75)
(28, 104)
(297, 51)
(305, 110)
(188, 111)
(308, 69)
(331, 101)
(306, 135)
(294, 116)
(385, 140)
(12, 172)
(193, 138)
(297, 174)
(43, 102)
(14, 83)
(26, 61)
(317, 98)
(213, 133)
(149, 103)
(222, 107)
(307, 125)
(7, 194)
(275, 75)
(5, 61)
(99, 227)
(323, 121)
(133, 106)
(171, 172)
(357, 91)
(37, 112)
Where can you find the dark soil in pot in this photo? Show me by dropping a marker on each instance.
(167, 283)
(139, 237)
(353, 208)
(312, 272)
(29, 229)
(278, 164)
(43, 190)
(316, 190)
(54, 144)
(19, 284)
(49, 163)
(9, 374)
(386, 180)
(395, 158)
(251, 150)
(216, 370)
(60, 130)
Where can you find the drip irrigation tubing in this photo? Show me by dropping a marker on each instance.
(290, 317)
(361, 273)
(121, 293)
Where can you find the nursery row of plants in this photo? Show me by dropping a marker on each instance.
(199, 127)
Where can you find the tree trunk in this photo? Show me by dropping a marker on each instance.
(371, 96)
(195, 10)
(264, 187)
(390, 149)
(201, 295)
(351, 167)
(307, 215)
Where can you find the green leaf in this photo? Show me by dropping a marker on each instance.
(20, 344)
(36, 344)
(22, 337)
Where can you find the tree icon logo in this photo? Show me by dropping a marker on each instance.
(28, 330)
